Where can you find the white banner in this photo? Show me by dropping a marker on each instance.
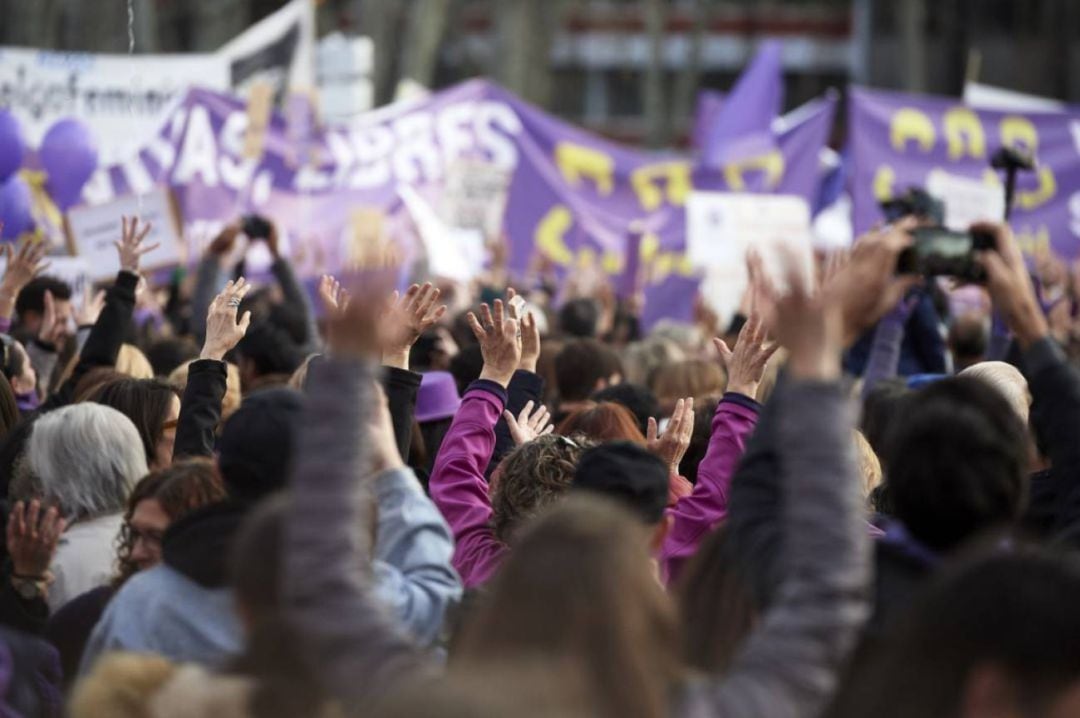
(124, 98)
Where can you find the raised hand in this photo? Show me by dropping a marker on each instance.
(1010, 286)
(529, 424)
(32, 537)
(23, 264)
(53, 332)
(746, 363)
(811, 325)
(334, 297)
(130, 247)
(406, 319)
(223, 331)
(90, 310)
(672, 445)
(500, 342)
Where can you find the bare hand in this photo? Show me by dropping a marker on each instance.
(223, 331)
(90, 310)
(32, 538)
(500, 342)
(23, 264)
(672, 445)
(746, 364)
(334, 297)
(811, 326)
(529, 424)
(354, 330)
(53, 332)
(130, 247)
(408, 317)
(1010, 286)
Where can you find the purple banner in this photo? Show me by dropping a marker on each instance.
(898, 140)
(571, 196)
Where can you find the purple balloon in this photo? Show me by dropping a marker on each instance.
(11, 145)
(15, 208)
(69, 156)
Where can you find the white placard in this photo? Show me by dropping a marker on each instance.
(92, 230)
(123, 99)
(475, 196)
(452, 253)
(722, 226)
(966, 200)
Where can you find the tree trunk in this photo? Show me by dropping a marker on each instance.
(382, 23)
(654, 78)
(525, 31)
(425, 29)
(686, 86)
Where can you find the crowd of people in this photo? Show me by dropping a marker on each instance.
(861, 497)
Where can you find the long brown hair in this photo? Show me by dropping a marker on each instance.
(606, 421)
(180, 489)
(579, 587)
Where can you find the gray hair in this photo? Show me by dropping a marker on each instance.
(85, 458)
(1007, 381)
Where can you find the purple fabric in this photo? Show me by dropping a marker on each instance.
(438, 397)
(701, 511)
(28, 401)
(742, 126)
(898, 140)
(458, 488)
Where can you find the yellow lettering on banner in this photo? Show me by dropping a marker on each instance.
(990, 177)
(550, 232)
(646, 180)
(884, 179)
(612, 262)
(578, 163)
(771, 163)
(964, 133)
(650, 245)
(586, 258)
(1033, 241)
(1031, 199)
(1020, 133)
(911, 124)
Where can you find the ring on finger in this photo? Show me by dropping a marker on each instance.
(234, 301)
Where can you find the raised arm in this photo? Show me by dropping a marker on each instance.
(328, 596)
(200, 407)
(525, 386)
(103, 345)
(23, 263)
(1054, 383)
(292, 290)
(735, 418)
(884, 361)
(210, 277)
(790, 664)
(457, 482)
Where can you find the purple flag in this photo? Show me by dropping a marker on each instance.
(742, 126)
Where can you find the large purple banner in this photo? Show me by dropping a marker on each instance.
(571, 195)
(898, 140)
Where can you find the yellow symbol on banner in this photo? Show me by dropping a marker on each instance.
(1019, 132)
(646, 180)
(577, 163)
(964, 133)
(884, 179)
(1038, 197)
(550, 232)
(1033, 241)
(650, 245)
(612, 262)
(771, 163)
(911, 124)
(42, 208)
(990, 177)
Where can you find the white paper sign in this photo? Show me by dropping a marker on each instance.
(722, 226)
(475, 196)
(94, 229)
(966, 200)
(452, 253)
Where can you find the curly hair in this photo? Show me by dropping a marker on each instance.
(532, 477)
(180, 489)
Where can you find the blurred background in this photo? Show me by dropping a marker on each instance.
(629, 69)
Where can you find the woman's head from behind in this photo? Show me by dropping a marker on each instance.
(606, 421)
(156, 501)
(693, 377)
(532, 477)
(996, 636)
(153, 406)
(85, 458)
(956, 462)
(580, 587)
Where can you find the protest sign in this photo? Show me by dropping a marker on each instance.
(93, 230)
(966, 201)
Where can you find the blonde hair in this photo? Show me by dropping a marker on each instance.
(133, 363)
(230, 402)
(693, 377)
(1007, 381)
(869, 464)
(299, 377)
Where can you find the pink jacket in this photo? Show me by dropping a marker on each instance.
(458, 487)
